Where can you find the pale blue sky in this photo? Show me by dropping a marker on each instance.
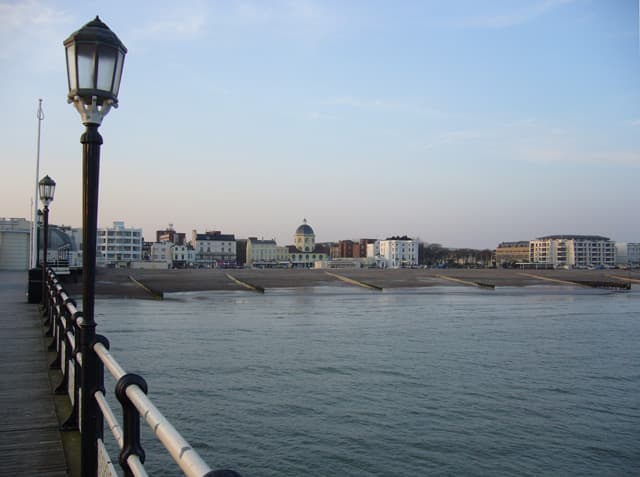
(465, 123)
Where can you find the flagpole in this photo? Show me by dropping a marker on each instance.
(34, 221)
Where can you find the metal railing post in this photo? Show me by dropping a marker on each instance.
(62, 388)
(83, 381)
(56, 332)
(72, 422)
(131, 420)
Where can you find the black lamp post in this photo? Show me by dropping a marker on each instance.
(38, 227)
(95, 57)
(46, 189)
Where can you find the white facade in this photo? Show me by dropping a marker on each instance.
(628, 254)
(162, 251)
(373, 249)
(555, 252)
(118, 244)
(265, 253)
(398, 252)
(580, 251)
(214, 249)
(304, 253)
(15, 244)
(183, 255)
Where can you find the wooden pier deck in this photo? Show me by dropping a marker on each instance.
(30, 442)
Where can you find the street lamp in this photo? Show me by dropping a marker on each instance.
(95, 57)
(46, 189)
(38, 227)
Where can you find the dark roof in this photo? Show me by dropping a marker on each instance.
(317, 249)
(57, 239)
(574, 237)
(256, 241)
(519, 243)
(305, 229)
(216, 237)
(397, 237)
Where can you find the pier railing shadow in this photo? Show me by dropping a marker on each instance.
(63, 321)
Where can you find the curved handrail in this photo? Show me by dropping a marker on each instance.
(65, 326)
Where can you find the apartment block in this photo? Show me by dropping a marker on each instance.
(118, 245)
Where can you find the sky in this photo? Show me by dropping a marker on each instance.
(463, 123)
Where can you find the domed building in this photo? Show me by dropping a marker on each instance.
(304, 253)
(305, 238)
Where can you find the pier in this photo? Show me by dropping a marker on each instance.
(30, 442)
(51, 376)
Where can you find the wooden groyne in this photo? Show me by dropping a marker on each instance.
(553, 280)
(468, 282)
(604, 284)
(158, 295)
(247, 285)
(624, 279)
(353, 281)
(613, 285)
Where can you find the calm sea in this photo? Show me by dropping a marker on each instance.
(437, 381)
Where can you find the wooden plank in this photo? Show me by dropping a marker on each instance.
(30, 442)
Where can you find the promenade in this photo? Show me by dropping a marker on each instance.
(30, 442)
(119, 283)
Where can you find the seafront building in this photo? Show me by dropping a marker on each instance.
(305, 253)
(266, 254)
(162, 252)
(628, 254)
(398, 252)
(214, 249)
(373, 249)
(118, 245)
(15, 245)
(183, 256)
(508, 253)
(573, 251)
(170, 235)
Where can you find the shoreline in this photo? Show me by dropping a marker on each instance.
(153, 284)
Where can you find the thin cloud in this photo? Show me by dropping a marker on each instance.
(575, 156)
(183, 22)
(319, 116)
(523, 14)
(32, 32)
(30, 13)
(387, 105)
(195, 19)
(363, 103)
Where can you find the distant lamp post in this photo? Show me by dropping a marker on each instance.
(46, 189)
(95, 57)
(39, 220)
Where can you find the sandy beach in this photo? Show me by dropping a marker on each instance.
(152, 283)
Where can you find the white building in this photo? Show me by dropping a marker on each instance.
(183, 256)
(14, 244)
(373, 249)
(265, 253)
(118, 245)
(304, 253)
(579, 251)
(214, 249)
(162, 252)
(628, 254)
(398, 252)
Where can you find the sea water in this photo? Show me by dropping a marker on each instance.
(435, 381)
